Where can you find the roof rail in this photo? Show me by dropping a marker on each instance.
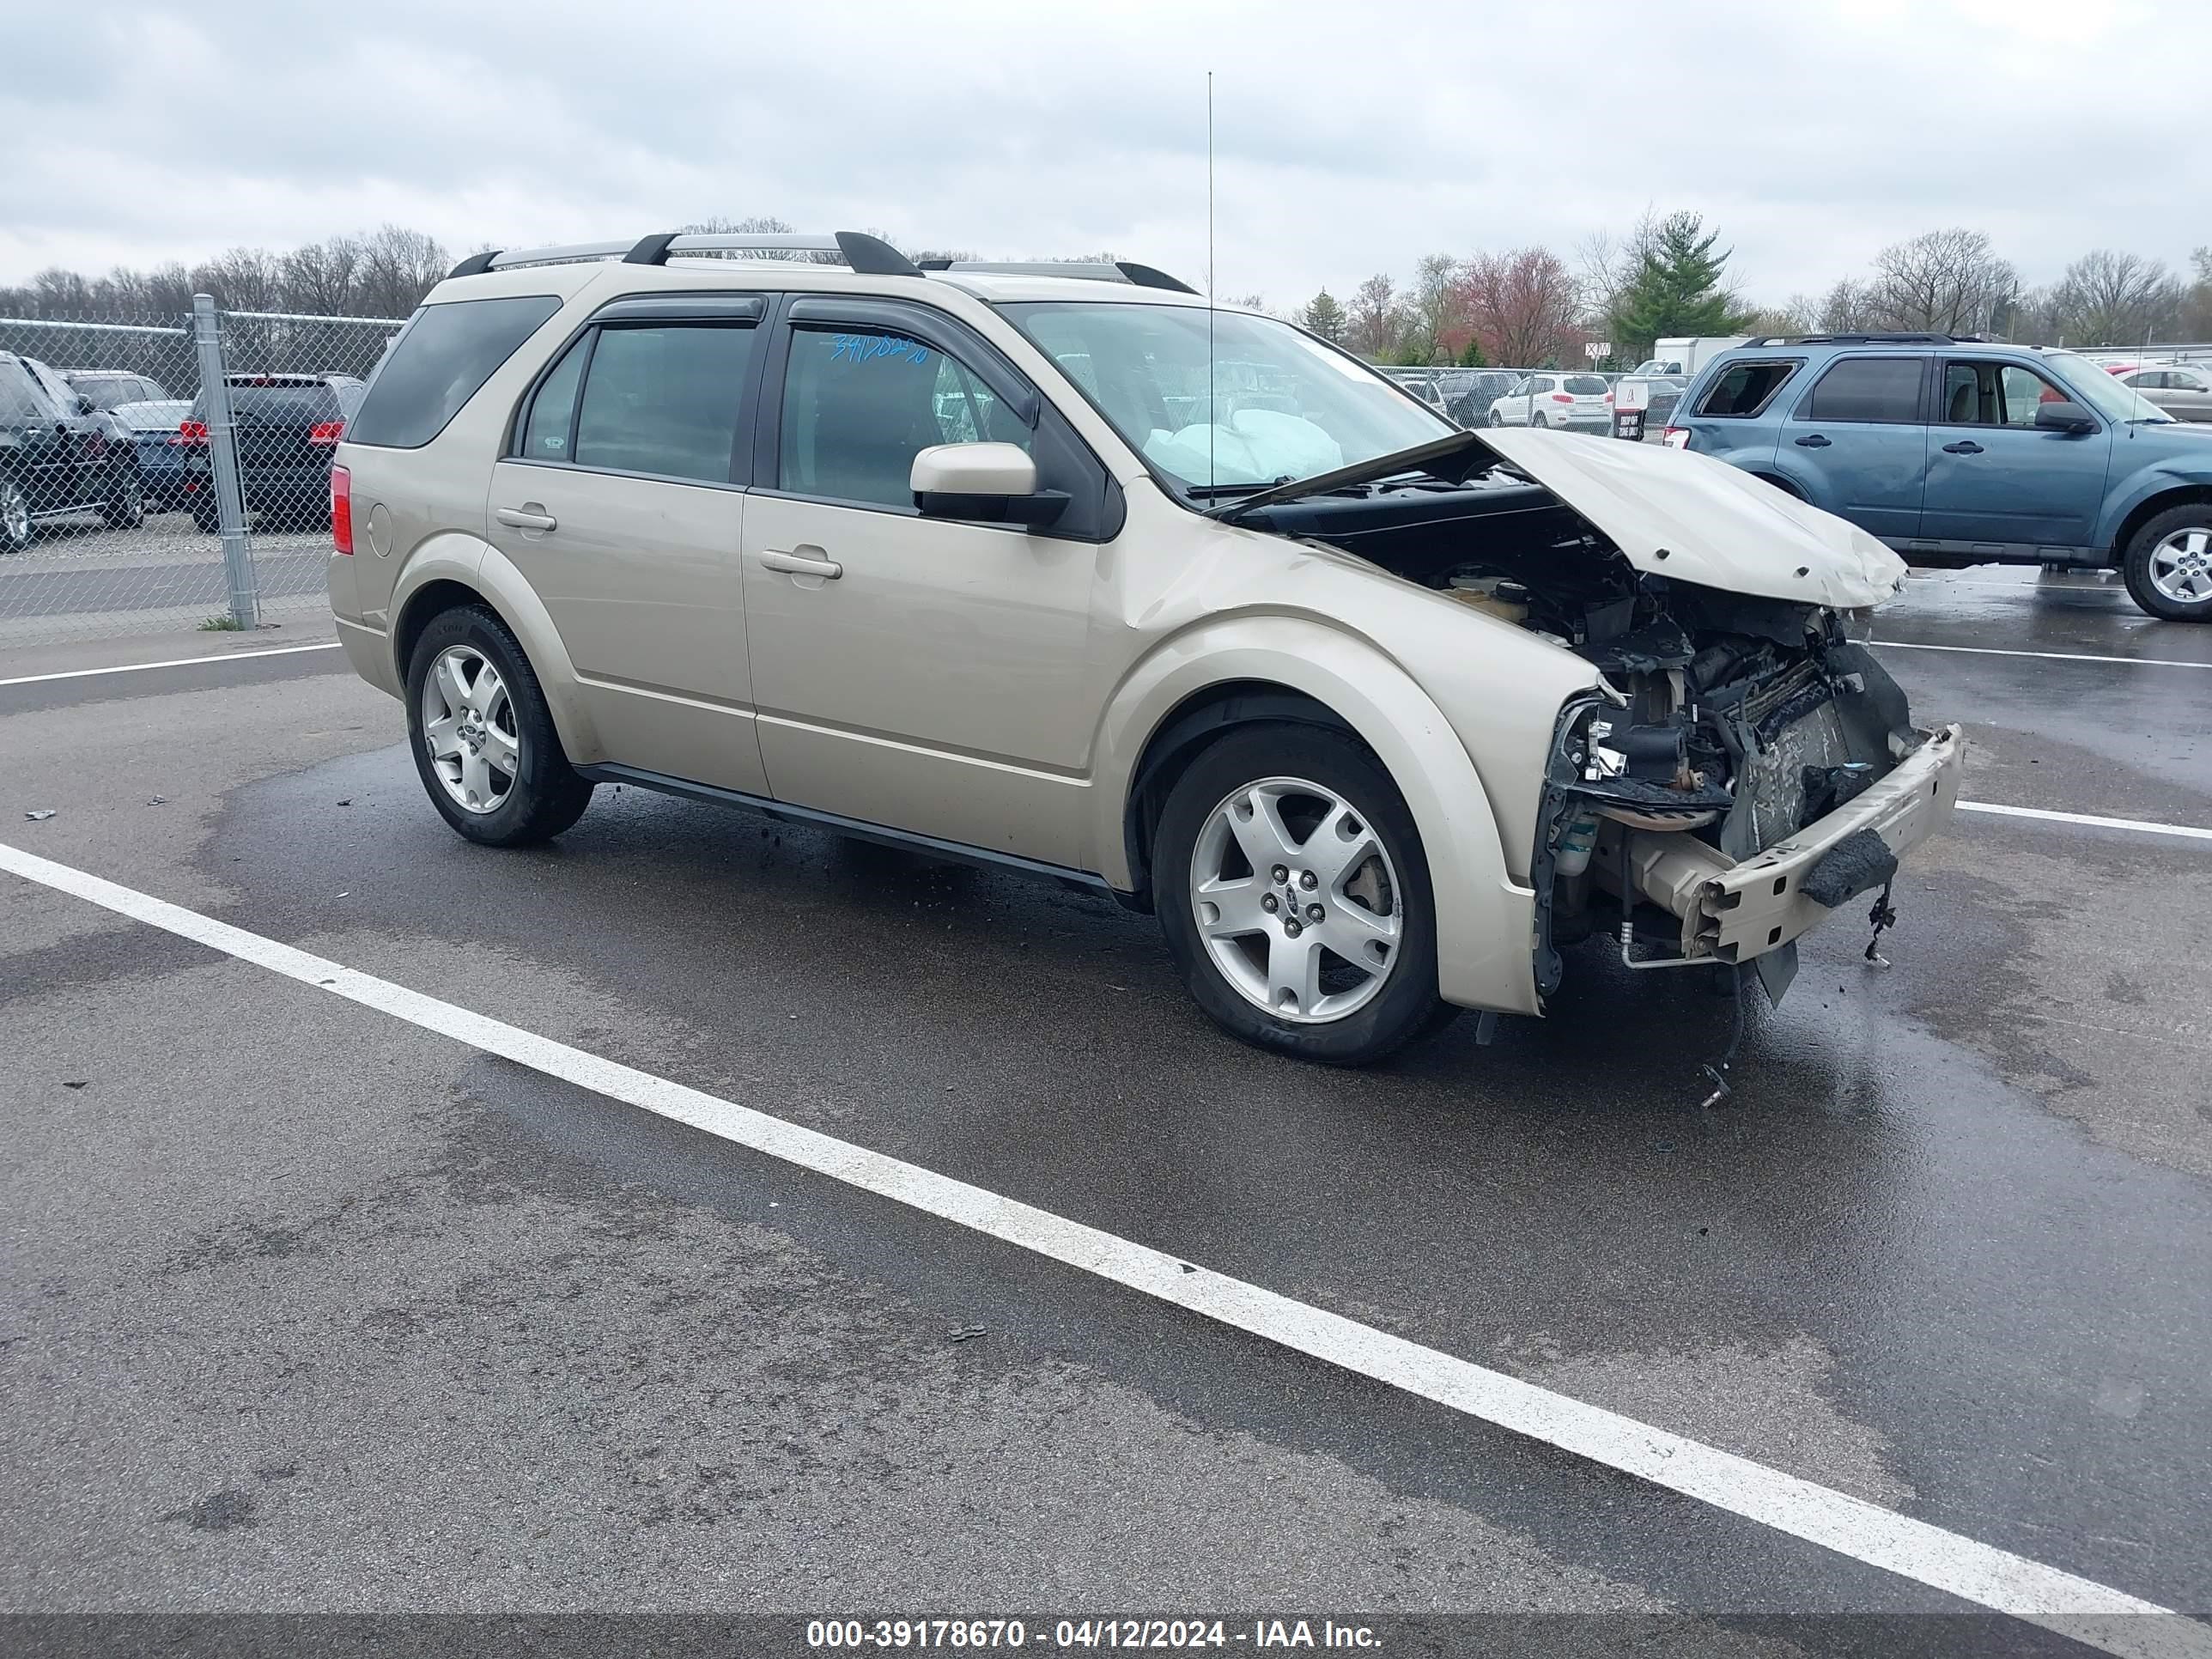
(1868, 338)
(869, 255)
(1094, 271)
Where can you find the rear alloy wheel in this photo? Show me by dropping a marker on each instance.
(1293, 893)
(2169, 565)
(15, 517)
(483, 737)
(1535, 415)
(125, 506)
(1496, 419)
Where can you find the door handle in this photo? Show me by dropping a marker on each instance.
(1816, 441)
(1963, 446)
(533, 517)
(799, 565)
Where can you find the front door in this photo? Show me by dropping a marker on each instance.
(618, 501)
(1859, 438)
(922, 673)
(1995, 477)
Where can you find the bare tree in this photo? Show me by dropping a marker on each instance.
(1947, 281)
(1846, 308)
(1523, 307)
(397, 268)
(1606, 264)
(2109, 298)
(1435, 307)
(322, 276)
(1372, 330)
(1799, 314)
(241, 279)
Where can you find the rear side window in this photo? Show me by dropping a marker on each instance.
(662, 399)
(19, 395)
(1745, 388)
(1881, 390)
(440, 360)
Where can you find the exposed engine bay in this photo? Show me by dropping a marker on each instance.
(1726, 722)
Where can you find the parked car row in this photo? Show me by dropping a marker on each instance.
(111, 442)
(1957, 451)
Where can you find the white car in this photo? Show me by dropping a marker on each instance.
(1580, 402)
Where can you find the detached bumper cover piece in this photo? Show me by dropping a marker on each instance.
(1767, 901)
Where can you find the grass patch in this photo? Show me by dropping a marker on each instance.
(221, 625)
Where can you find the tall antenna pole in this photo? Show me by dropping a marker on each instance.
(1212, 394)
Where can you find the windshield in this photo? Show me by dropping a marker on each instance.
(1268, 405)
(2102, 391)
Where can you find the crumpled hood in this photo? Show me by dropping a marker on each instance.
(1671, 511)
(1675, 512)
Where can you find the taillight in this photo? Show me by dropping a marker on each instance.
(1561, 398)
(327, 432)
(1608, 397)
(1676, 437)
(192, 435)
(342, 508)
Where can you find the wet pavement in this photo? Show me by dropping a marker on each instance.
(309, 1309)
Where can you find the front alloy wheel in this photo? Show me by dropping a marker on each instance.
(1292, 891)
(1296, 900)
(15, 517)
(2168, 565)
(469, 729)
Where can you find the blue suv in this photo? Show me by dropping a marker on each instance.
(1957, 451)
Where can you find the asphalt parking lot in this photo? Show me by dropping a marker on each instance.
(312, 1304)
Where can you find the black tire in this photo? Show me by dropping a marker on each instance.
(1407, 1006)
(125, 506)
(15, 527)
(1535, 415)
(547, 795)
(2143, 587)
(1496, 419)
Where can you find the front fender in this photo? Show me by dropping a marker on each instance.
(2155, 477)
(477, 565)
(1485, 920)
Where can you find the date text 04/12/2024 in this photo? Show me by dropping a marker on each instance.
(1166, 1635)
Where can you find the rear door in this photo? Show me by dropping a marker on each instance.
(621, 500)
(2187, 394)
(82, 470)
(1857, 437)
(42, 461)
(1995, 477)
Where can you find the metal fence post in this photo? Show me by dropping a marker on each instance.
(223, 449)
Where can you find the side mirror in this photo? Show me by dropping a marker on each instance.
(85, 404)
(984, 483)
(2065, 417)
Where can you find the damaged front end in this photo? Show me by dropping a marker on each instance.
(1744, 768)
(1754, 771)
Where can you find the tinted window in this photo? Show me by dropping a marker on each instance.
(1745, 388)
(548, 430)
(665, 399)
(856, 407)
(1586, 385)
(441, 361)
(1878, 389)
(107, 391)
(19, 397)
(279, 403)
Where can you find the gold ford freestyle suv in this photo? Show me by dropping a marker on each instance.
(1061, 569)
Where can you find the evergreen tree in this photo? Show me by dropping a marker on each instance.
(1676, 288)
(1472, 357)
(1324, 316)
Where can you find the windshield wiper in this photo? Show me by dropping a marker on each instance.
(1207, 492)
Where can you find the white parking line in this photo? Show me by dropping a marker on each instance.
(2141, 826)
(2076, 1608)
(174, 662)
(2043, 656)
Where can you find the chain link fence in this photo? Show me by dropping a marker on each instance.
(170, 472)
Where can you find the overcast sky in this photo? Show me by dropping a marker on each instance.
(1349, 138)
